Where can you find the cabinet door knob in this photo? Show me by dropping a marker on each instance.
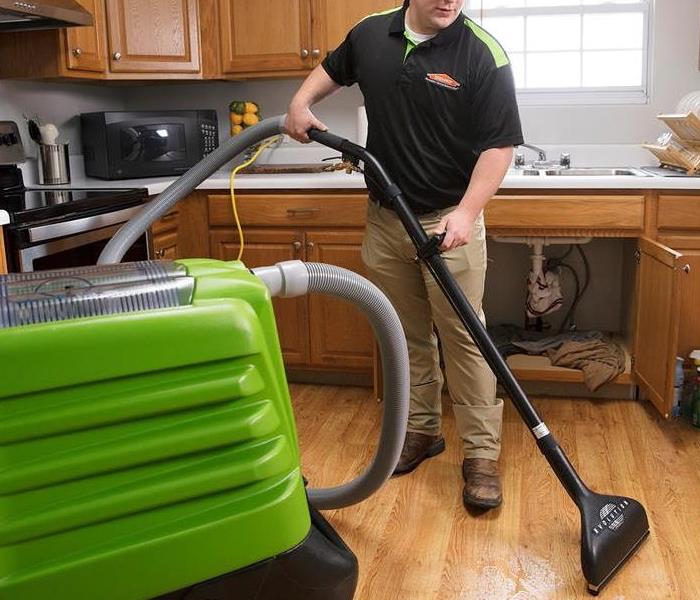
(296, 245)
(304, 53)
(309, 245)
(117, 56)
(316, 52)
(686, 268)
(77, 52)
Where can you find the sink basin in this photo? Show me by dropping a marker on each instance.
(597, 172)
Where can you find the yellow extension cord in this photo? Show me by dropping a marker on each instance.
(233, 194)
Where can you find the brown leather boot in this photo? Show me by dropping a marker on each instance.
(483, 484)
(416, 448)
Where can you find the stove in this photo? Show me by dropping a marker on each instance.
(56, 227)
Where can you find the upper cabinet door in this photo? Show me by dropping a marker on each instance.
(658, 316)
(152, 37)
(86, 46)
(265, 36)
(334, 19)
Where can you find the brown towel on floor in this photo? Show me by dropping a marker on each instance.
(600, 360)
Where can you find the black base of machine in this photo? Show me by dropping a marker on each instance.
(322, 567)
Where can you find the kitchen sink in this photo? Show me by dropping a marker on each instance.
(519, 172)
(596, 172)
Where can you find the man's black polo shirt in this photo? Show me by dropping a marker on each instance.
(431, 114)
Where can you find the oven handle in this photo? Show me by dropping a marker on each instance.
(57, 230)
(27, 256)
(116, 248)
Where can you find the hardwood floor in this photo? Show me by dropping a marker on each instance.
(415, 541)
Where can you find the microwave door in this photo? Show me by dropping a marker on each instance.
(143, 147)
(164, 142)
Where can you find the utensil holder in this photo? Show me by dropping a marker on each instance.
(54, 167)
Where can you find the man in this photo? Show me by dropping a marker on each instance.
(442, 120)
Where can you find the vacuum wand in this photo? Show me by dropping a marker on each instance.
(612, 527)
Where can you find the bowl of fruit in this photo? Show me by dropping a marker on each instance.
(242, 115)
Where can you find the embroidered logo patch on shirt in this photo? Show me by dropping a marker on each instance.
(443, 80)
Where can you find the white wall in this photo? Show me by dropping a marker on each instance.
(58, 103)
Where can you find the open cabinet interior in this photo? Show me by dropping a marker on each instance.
(606, 296)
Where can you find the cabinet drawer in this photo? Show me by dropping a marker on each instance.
(679, 212)
(573, 212)
(167, 222)
(290, 209)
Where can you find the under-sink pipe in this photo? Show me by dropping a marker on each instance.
(538, 243)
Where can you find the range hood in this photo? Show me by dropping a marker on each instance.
(20, 15)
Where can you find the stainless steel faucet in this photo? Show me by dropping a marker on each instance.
(542, 162)
(542, 155)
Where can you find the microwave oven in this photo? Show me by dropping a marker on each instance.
(135, 144)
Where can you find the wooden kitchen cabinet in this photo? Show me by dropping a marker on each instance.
(129, 40)
(159, 36)
(339, 334)
(316, 331)
(264, 247)
(668, 286)
(286, 36)
(164, 237)
(85, 47)
(183, 231)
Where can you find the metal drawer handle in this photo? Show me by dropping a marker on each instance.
(301, 211)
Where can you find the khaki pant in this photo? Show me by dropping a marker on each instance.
(389, 255)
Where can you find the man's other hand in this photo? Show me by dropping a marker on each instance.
(457, 226)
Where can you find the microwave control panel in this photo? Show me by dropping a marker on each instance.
(209, 131)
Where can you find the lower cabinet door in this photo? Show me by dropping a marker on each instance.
(340, 335)
(659, 289)
(265, 247)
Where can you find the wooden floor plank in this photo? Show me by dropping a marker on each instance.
(414, 540)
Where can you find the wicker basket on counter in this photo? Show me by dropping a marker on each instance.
(683, 151)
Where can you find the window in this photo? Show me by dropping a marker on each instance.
(572, 51)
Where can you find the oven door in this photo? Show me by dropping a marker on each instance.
(77, 250)
(153, 146)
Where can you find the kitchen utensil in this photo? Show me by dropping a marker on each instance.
(49, 133)
(54, 167)
(34, 132)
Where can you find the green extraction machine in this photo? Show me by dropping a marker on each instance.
(147, 441)
(148, 446)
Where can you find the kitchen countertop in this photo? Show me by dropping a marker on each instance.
(341, 180)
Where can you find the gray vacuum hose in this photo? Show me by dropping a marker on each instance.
(131, 231)
(295, 278)
(300, 278)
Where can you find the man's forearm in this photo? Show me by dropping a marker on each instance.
(315, 88)
(486, 178)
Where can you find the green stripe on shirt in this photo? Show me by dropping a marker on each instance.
(499, 55)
